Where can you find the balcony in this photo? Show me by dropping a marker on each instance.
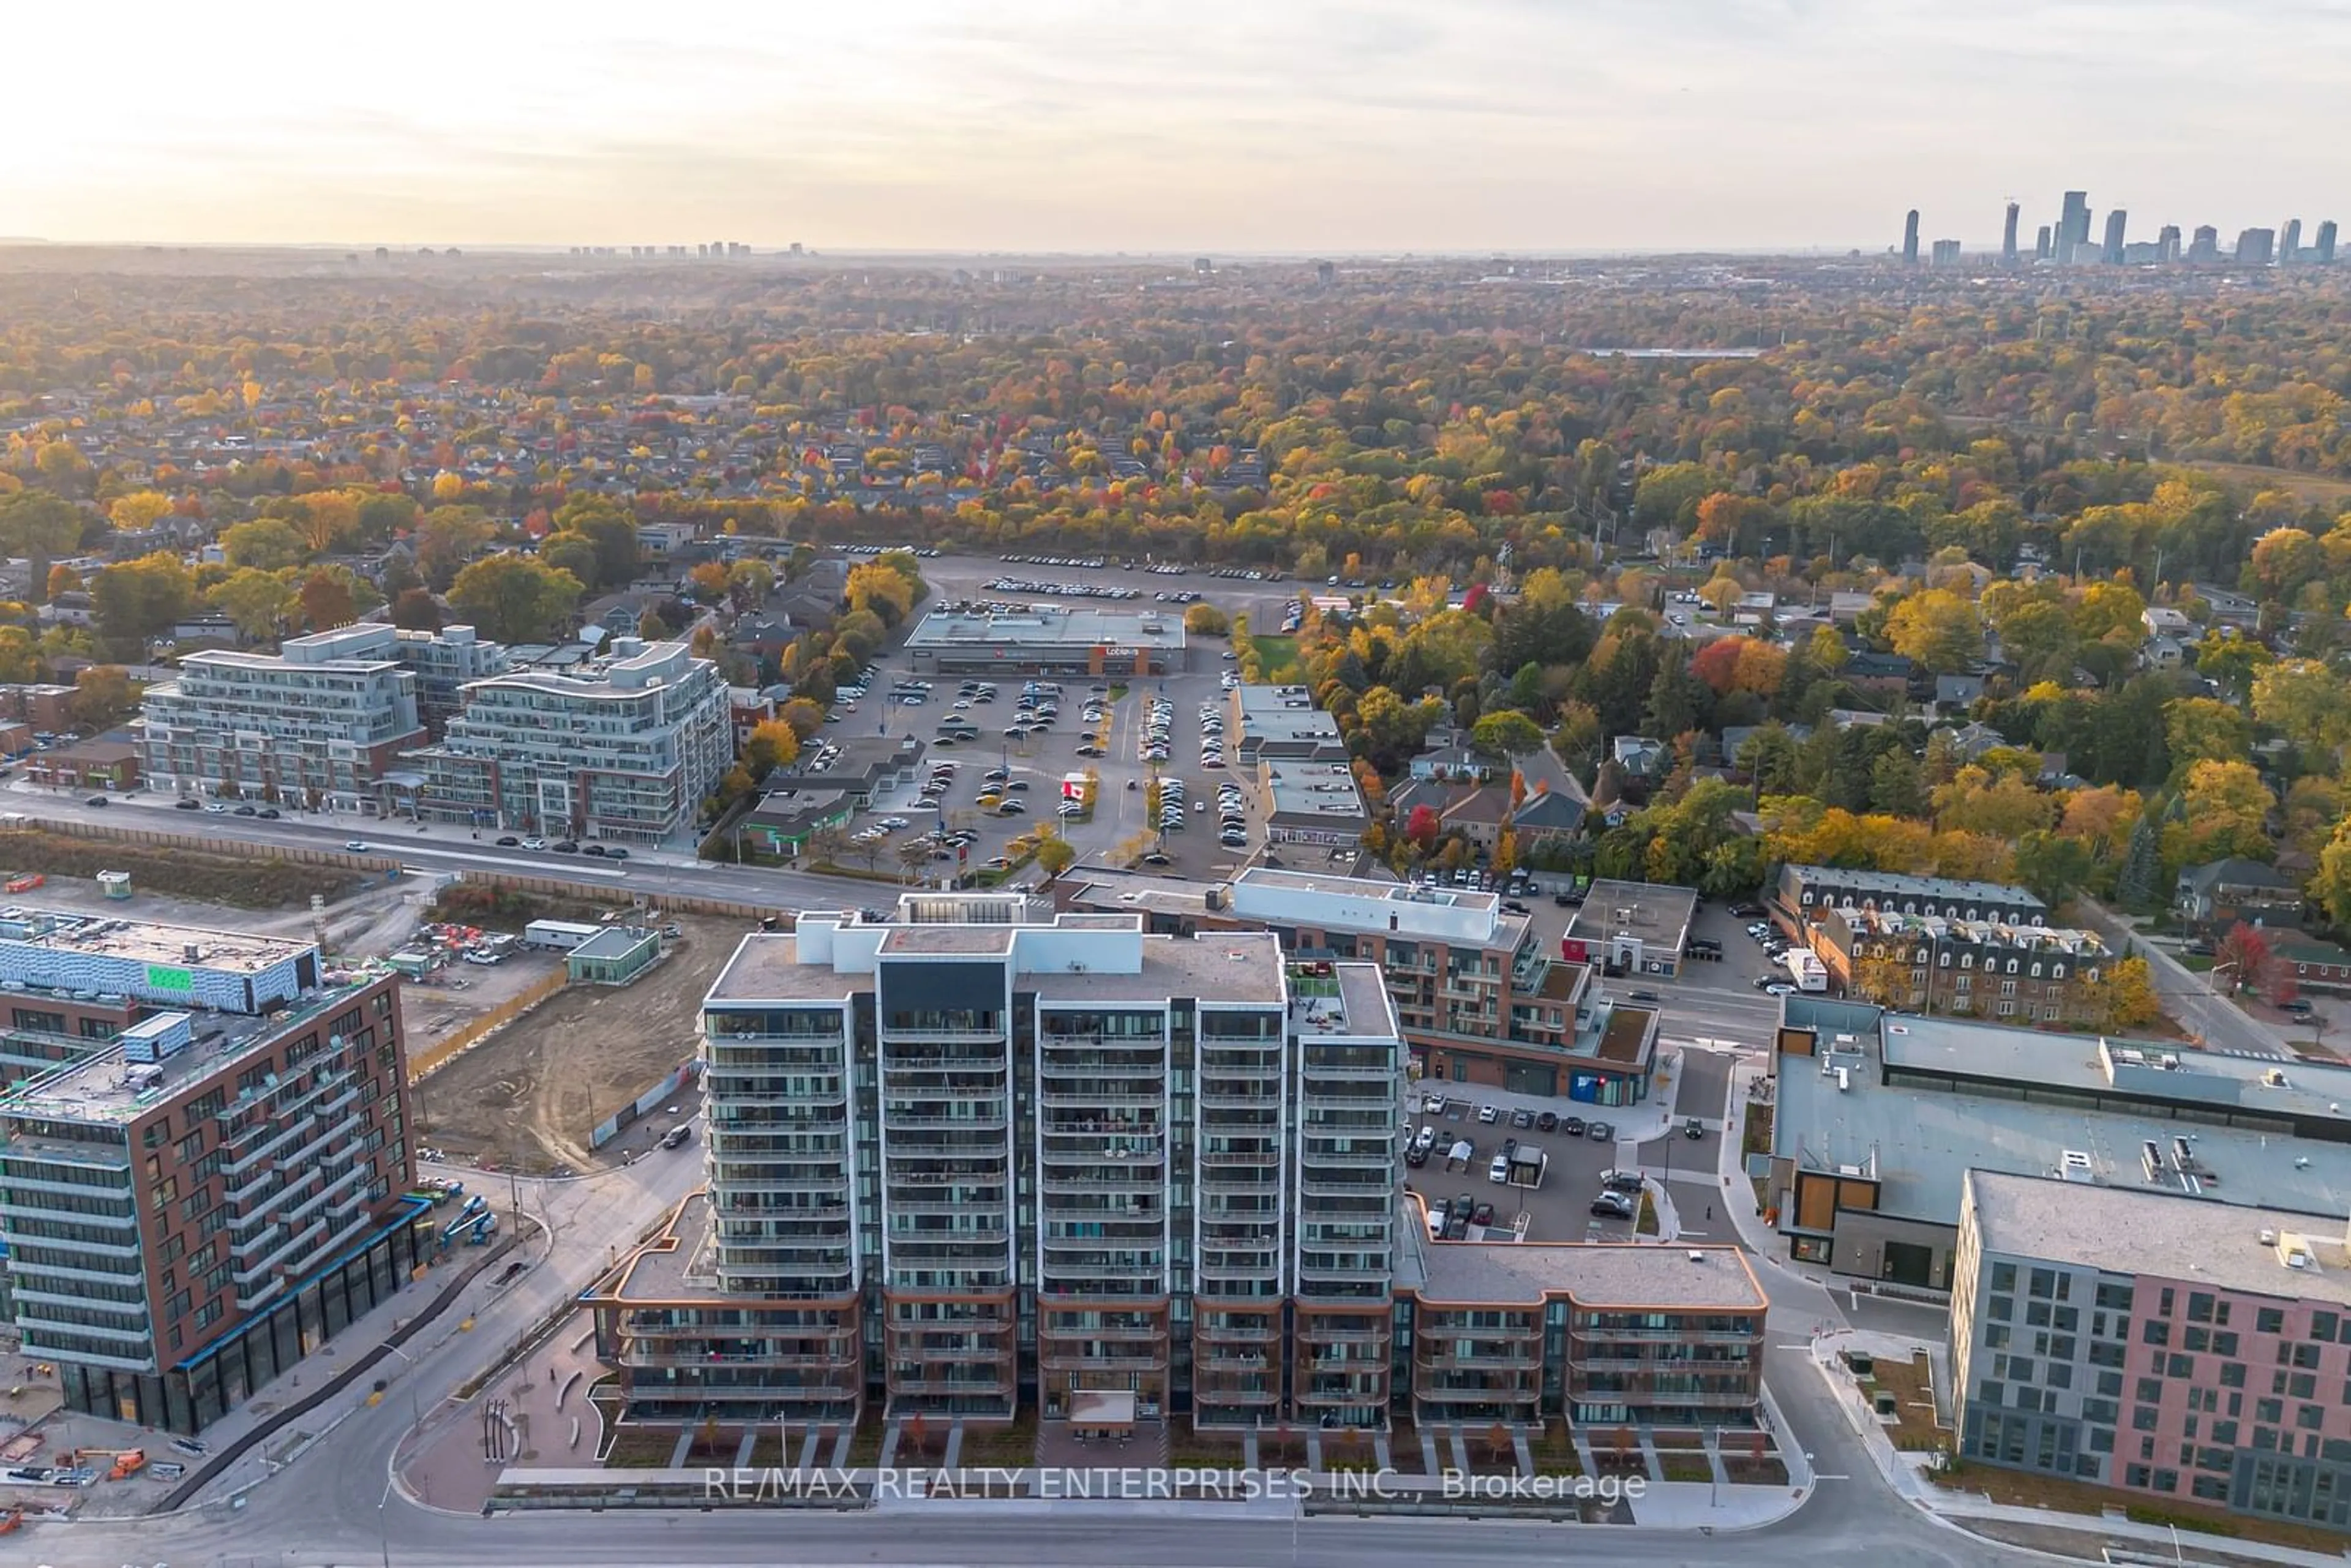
(1250, 1331)
(1079, 1361)
(1479, 1360)
(1144, 1177)
(13, 1203)
(1313, 1069)
(1239, 1098)
(892, 1034)
(1308, 1333)
(1645, 1397)
(919, 1385)
(1239, 1159)
(1143, 1333)
(909, 1118)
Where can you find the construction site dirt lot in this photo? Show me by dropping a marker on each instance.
(530, 1096)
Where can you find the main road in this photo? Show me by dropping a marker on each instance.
(448, 850)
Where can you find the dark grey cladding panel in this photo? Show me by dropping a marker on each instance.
(918, 985)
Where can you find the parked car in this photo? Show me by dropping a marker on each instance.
(1612, 1206)
(241, 811)
(1621, 1181)
(1482, 1215)
(268, 813)
(1522, 1118)
(1572, 1125)
(100, 800)
(509, 842)
(1599, 1133)
(1547, 1122)
(187, 803)
(565, 847)
(534, 843)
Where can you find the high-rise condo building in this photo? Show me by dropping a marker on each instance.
(2323, 252)
(2166, 242)
(2008, 238)
(2072, 224)
(2116, 222)
(1910, 238)
(2256, 248)
(983, 1157)
(2290, 243)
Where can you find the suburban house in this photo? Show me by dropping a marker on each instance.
(1642, 758)
(2218, 893)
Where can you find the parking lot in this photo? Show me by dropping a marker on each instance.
(1034, 762)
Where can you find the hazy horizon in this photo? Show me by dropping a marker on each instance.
(1274, 130)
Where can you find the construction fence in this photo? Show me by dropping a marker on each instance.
(622, 1120)
(587, 891)
(443, 1051)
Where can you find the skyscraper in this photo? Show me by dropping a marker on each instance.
(2255, 247)
(2290, 243)
(2324, 252)
(1910, 240)
(2115, 223)
(1946, 253)
(2167, 244)
(2008, 239)
(2206, 246)
(2073, 224)
(2044, 244)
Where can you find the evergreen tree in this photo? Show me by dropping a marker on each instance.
(2138, 885)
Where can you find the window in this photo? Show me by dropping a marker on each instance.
(2143, 1418)
(2272, 1411)
(2150, 1389)
(2155, 1332)
(2310, 1418)
(2166, 1481)
(2321, 1325)
(2232, 1374)
(2199, 1307)
(2269, 1320)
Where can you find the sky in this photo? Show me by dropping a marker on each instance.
(1273, 126)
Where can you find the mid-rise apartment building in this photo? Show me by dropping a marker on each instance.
(2155, 1342)
(1984, 969)
(446, 663)
(1601, 1333)
(982, 1153)
(626, 747)
(1478, 999)
(195, 1204)
(319, 724)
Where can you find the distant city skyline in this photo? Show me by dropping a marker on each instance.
(1278, 127)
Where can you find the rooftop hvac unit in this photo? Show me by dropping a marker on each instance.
(1845, 1079)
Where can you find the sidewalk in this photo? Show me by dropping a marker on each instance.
(553, 1425)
